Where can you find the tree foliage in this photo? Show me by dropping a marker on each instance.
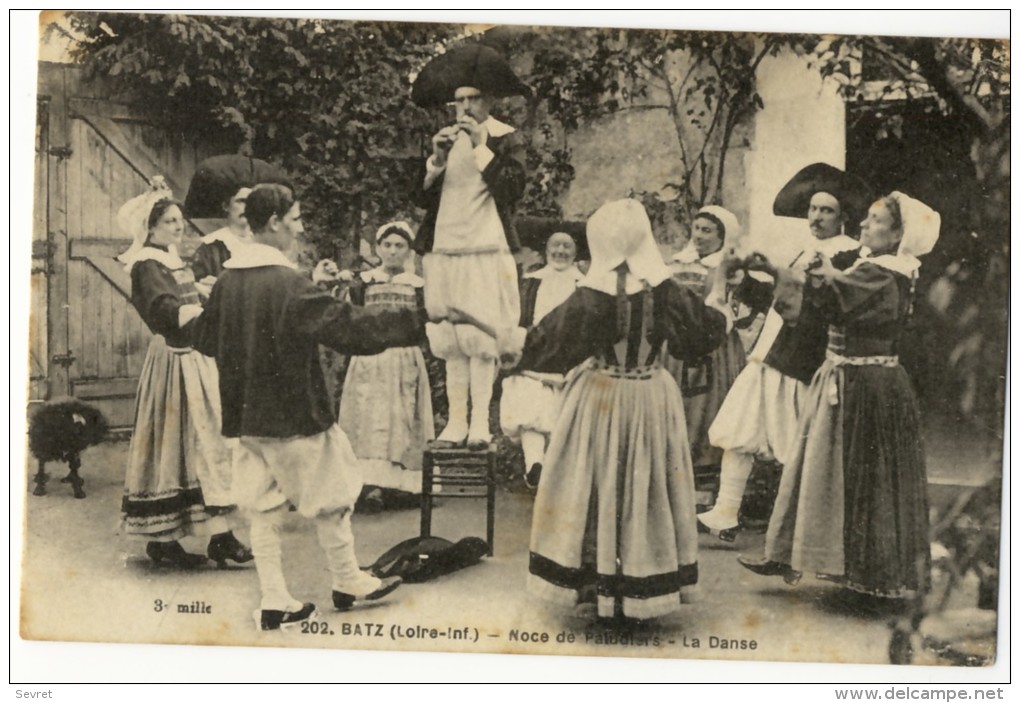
(328, 100)
(703, 82)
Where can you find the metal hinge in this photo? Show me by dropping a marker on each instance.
(61, 152)
(64, 360)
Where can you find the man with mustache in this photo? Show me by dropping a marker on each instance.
(759, 415)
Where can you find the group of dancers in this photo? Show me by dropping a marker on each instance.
(618, 380)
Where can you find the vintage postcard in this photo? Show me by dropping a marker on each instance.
(480, 337)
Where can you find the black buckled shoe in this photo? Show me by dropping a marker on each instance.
(533, 476)
(346, 601)
(371, 502)
(727, 535)
(226, 546)
(275, 619)
(172, 554)
(767, 567)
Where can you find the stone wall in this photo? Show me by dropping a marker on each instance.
(802, 121)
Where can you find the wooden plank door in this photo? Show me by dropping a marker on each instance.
(101, 153)
(38, 359)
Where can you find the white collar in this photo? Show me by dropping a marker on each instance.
(712, 260)
(256, 255)
(497, 128)
(228, 237)
(905, 265)
(834, 245)
(571, 273)
(689, 255)
(168, 258)
(379, 275)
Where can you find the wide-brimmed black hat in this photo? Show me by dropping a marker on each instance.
(853, 194)
(534, 233)
(218, 178)
(471, 66)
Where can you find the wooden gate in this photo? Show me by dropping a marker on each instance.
(92, 155)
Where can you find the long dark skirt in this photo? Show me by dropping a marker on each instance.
(853, 502)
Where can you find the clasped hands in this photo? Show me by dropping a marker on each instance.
(733, 265)
(326, 271)
(509, 340)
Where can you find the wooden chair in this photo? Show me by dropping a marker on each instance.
(459, 473)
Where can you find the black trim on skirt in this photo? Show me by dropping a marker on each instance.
(171, 505)
(612, 586)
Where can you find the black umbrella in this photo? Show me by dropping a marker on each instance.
(218, 178)
(534, 233)
(853, 194)
(471, 66)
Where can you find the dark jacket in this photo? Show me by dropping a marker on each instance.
(586, 325)
(799, 348)
(158, 293)
(505, 177)
(529, 294)
(208, 259)
(264, 326)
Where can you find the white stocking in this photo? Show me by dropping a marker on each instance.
(733, 475)
(533, 444)
(483, 375)
(337, 541)
(457, 378)
(265, 545)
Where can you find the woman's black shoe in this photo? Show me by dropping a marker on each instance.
(173, 554)
(273, 619)
(226, 546)
(767, 567)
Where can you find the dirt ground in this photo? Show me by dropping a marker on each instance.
(83, 581)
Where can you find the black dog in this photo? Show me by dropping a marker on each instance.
(59, 431)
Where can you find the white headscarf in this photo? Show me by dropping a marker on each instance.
(621, 233)
(730, 235)
(133, 220)
(921, 227)
(730, 223)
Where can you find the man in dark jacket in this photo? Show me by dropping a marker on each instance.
(263, 324)
(759, 415)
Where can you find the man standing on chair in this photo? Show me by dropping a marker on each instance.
(758, 418)
(469, 188)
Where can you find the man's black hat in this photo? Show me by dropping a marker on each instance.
(218, 178)
(853, 194)
(475, 66)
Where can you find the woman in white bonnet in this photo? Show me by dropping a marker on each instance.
(386, 405)
(614, 521)
(852, 505)
(704, 382)
(178, 473)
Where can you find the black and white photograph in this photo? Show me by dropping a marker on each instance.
(473, 336)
